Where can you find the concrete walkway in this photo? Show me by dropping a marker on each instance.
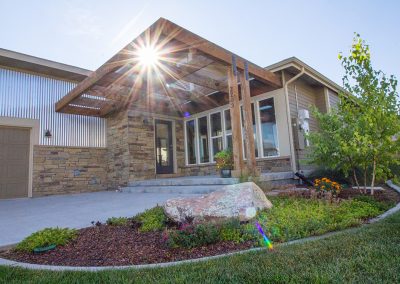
(21, 217)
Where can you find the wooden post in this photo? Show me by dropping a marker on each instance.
(235, 122)
(248, 123)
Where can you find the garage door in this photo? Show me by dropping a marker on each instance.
(14, 162)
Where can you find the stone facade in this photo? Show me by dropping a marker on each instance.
(129, 156)
(62, 170)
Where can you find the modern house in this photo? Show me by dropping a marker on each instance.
(161, 107)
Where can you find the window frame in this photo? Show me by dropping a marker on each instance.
(221, 110)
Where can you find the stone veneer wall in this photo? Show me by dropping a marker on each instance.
(61, 170)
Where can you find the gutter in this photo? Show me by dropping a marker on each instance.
(289, 122)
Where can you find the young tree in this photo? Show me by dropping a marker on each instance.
(368, 115)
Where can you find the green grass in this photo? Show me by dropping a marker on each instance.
(370, 254)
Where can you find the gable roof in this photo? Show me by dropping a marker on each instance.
(190, 61)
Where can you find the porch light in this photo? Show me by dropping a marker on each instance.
(148, 56)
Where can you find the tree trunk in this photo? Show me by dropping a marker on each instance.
(356, 180)
(365, 179)
(373, 176)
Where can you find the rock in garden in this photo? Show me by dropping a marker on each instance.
(238, 200)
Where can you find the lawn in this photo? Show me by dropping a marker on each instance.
(369, 254)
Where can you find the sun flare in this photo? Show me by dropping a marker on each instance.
(149, 56)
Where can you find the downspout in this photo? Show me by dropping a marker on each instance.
(289, 121)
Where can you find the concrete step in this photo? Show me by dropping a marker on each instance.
(185, 181)
(179, 189)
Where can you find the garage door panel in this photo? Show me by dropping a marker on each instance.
(13, 190)
(17, 152)
(14, 162)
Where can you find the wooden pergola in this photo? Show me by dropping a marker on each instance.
(192, 75)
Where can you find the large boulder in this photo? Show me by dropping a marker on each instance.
(238, 200)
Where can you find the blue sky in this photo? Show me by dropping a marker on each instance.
(87, 33)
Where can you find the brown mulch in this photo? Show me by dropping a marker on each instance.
(120, 245)
(386, 195)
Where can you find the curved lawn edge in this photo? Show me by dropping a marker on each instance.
(12, 263)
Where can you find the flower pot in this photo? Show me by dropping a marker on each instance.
(225, 173)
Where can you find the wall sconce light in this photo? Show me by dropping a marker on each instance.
(48, 134)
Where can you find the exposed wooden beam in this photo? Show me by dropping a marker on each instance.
(113, 64)
(82, 111)
(174, 31)
(235, 121)
(248, 124)
(206, 82)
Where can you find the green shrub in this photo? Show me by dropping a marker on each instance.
(117, 221)
(153, 219)
(293, 218)
(381, 205)
(396, 180)
(190, 236)
(49, 236)
(231, 230)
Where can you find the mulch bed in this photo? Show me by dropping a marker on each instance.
(120, 245)
(104, 245)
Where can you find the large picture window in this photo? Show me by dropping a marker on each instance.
(209, 134)
(268, 127)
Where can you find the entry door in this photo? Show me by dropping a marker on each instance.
(14, 162)
(164, 147)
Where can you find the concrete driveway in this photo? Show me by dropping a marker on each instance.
(21, 217)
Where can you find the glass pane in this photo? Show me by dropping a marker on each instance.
(229, 142)
(216, 145)
(268, 127)
(163, 141)
(191, 142)
(254, 130)
(203, 140)
(228, 126)
(216, 127)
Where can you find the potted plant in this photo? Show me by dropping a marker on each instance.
(224, 160)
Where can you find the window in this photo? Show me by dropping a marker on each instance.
(268, 128)
(254, 130)
(228, 129)
(216, 133)
(203, 140)
(209, 134)
(191, 142)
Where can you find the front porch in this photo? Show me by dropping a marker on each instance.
(172, 100)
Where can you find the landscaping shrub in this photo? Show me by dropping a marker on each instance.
(117, 221)
(294, 218)
(231, 230)
(46, 237)
(153, 219)
(190, 236)
(381, 205)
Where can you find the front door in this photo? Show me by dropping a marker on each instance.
(164, 147)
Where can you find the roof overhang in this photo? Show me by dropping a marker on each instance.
(193, 76)
(24, 62)
(293, 63)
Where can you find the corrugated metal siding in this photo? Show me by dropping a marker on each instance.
(32, 96)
